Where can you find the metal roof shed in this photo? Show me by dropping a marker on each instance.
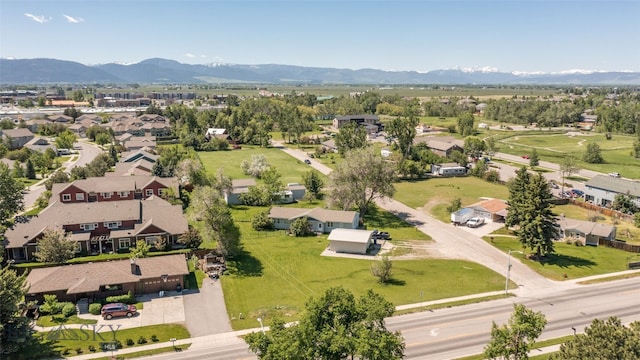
(350, 240)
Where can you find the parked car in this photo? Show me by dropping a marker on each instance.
(474, 222)
(614, 174)
(380, 235)
(577, 193)
(307, 161)
(526, 157)
(110, 311)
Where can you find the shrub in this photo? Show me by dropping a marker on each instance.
(68, 309)
(262, 221)
(130, 342)
(51, 305)
(300, 227)
(78, 350)
(95, 308)
(142, 340)
(154, 338)
(127, 298)
(66, 351)
(92, 348)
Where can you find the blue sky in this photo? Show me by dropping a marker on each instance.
(421, 35)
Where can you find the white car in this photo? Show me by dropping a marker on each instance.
(475, 222)
(614, 174)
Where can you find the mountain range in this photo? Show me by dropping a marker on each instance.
(164, 71)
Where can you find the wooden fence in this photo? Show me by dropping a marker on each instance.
(602, 210)
(620, 245)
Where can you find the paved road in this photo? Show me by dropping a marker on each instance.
(86, 153)
(205, 310)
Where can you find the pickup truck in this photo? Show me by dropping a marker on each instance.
(475, 222)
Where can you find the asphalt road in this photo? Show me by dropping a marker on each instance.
(86, 153)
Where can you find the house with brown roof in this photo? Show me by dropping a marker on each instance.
(112, 188)
(491, 209)
(157, 129)
(99, 227)
(139, 142)
(99, 280)
(17, 138)
(441, 145)
(132, 156)
(59, 118)
(321, 220)
(140, 167)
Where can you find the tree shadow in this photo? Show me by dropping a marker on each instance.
(395, 282)
(565, 261)
(244, 265)
(375, 218)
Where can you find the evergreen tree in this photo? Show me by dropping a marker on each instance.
(603, 340)
(30, 171)
(534, 159)
(113, 153)
(517, 197)
(537, 230)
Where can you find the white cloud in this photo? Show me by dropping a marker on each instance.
(72, 19)
(38, 18)
(190, 55)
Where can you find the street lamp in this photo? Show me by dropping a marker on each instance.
(506, 283)
(261, 326)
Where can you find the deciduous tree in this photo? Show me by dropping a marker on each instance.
(55, 247)
(313, 182)
(65, 139)
(568, 167)
(361, 178)
(403, 130)
(382, 269)
(603, 339)
(335, 326)
(593, 154)
(11, 196)
(207, 205)
(350, 137)
(513, 340)
(465, 124)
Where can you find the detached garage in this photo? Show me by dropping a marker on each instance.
(350, 241)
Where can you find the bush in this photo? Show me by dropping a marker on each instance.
(154, 338)
(95, 308)
(78, 350)
(68, 309)
(262, 221)
(142, 340)
(66, 351)
(92, 348)
(127, 298)
(51, 305)
(130, 342)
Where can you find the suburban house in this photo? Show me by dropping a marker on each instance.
(330, 146)
(588, 232)
(134, 143)
(112, 188)
(448, 169)
(140, 167)
(17, 138)
(441, 145)
(350, 241)
(133, 156)
(292, 193)
(491, 210)
(220, 134)
(89, 119)
(602, 190)
(238, 187)
(35, 124)
(99, 227)
(361, 120)
(78, 129)
(101, 279)
(157, 129)
(40, 145)
(59, 118)
(321, 220)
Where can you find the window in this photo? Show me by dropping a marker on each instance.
(78, 247)
(88, 226)
(106, 195)
(112, 224)
(329, 224)
(115, 287)
(79, 196)
(124, 193)
(149, 192)
(66, 197)
(160, 191)
(124, 243)
(151, 240)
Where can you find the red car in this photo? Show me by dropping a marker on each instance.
(525, 157)
(117, 309)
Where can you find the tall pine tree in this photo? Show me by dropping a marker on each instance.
(517, 198)
(537, 230)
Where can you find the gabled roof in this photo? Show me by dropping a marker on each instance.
(137, 154)
(323, 215)
(116, 184)
(16, 133)
(350, 235)
(88, 277)
(493, 205)
(358, 117)
(615, 185)
(587, 227)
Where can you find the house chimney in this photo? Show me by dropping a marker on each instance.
(135, 269)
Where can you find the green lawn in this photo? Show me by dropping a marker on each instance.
(278, 273)
(434, 195)
(138, 354)
(569, 261)
(56, 320)
(290, 168)
(72, 339)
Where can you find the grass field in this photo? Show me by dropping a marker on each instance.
(569, 261)
(553, 147)
(278, 273)
(434, 195)
(290, 168)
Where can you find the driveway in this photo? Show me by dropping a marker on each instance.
(205, 311)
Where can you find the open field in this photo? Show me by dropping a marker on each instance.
(278, 273)
(434, 195)
(290, 168)
(553, 147)
(569, 261)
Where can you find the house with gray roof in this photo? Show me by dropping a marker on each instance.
(17, 138)
(99, 227)
(441, 145)
(98, 280)
(321, 220)
(588, 232)
(602, 190)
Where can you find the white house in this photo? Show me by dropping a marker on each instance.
(602, 190)
(350, 241)
(321, 220)
(448, 169)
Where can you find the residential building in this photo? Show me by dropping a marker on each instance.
(588, 232)
(238, 187)
(17, 138)
(321, 220)
(99, 227)
(602, 190)
(441, 145)
(448, 169)
(133, 156)
(364, 119)
(40, 145)
(99, 280)
(350, 241)
(112, 188)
